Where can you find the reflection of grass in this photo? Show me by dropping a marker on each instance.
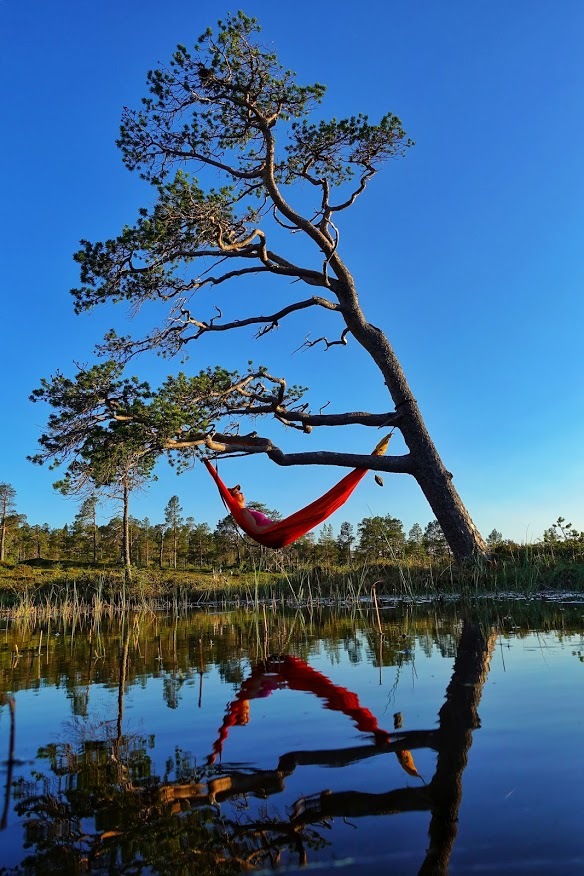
(529, 570)
(69, 646)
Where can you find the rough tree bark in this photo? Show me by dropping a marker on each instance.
(434, 480)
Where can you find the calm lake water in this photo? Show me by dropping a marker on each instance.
(448, 740)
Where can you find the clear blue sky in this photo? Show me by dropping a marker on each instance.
(468, 252)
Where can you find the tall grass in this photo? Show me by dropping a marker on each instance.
(529, 571)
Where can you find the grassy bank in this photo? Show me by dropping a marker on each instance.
(526, 571)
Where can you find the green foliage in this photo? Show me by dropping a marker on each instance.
(105, 424)
(345, 541)
(434, 541)
(217, 108)
(139, 263)
(562, 531)
(173, 512)
(174, 520)
(335, 149)
(380, 537)
(88, 410)
(212, 102)
(8, 519)
(199, 553)
(415, 535)
(7, 497)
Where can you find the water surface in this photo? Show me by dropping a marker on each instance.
(442, 741)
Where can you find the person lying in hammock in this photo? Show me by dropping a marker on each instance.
(255, 520)
(280, 533)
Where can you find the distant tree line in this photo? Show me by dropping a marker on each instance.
(180, 542)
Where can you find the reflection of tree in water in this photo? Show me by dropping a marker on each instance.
(102, 809)
(53, 651)
(102, 814)
(37, 651)
(458, 718)
(171, 688)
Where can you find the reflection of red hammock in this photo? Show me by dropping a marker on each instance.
(283, 532)
(293, 673)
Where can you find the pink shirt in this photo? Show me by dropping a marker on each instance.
(260, 518)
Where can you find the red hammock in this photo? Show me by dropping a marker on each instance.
(283, 532)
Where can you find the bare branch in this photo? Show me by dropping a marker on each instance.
(269, 321)
(326, 221)
(396, 464)
(354, 418)
(342, 340)
(238, 245)
(161, 149)
(358, 191)
(292, 228)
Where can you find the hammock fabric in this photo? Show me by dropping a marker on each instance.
(284, 532)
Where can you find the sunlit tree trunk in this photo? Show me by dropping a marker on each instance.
(427, 468)
(7, 496)
(126, 558)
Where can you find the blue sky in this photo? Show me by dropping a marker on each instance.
(468, 252)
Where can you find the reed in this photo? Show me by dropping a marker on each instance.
(531, 571)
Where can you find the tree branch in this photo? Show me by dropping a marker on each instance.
(251, 444)
(269, 322)
(309, 420)
(342, 341)
(355, 194)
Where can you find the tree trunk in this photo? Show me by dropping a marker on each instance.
(435, 481)
(8, 700)
(94, 525)
(126, 536)
(464, 539)
(3, 533)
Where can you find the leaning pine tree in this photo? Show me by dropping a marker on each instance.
(217, 110)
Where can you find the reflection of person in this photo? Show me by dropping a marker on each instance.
(255, 520)
(260, 684)
(293, 673)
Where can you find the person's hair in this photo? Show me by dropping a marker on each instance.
(235, 489)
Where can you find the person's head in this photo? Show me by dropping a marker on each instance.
(237, 495)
